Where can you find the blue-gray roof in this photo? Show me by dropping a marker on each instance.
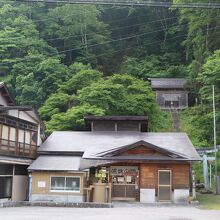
(167, 83)
(55, 163)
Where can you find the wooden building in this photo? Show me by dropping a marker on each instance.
(170, 92)
(19, 138)
(107, 165)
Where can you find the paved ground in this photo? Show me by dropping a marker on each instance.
(118, 213)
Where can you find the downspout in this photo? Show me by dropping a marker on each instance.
(30, 188)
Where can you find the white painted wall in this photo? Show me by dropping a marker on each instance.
(181, 195)
(13, 113)
(147, 196)
(21, 115)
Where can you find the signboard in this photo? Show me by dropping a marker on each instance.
(210, 158)
(41, 184)
(124, 171)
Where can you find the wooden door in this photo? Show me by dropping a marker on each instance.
(164, 185)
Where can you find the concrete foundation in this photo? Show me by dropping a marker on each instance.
(180, 195)
(147, 196)
(57, 198)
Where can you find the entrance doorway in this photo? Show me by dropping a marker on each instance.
(172, 104)
(6, 187)
(124, 182)
(164, 185)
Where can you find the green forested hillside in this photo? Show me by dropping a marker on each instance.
(71, 60)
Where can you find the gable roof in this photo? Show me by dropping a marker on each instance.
(164, 153)
(91, 144)
(167, 83)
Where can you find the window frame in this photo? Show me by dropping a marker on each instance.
(66, 191)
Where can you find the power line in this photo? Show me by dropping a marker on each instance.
(106, 42)
(155, 42)
(94, 33)
(139, 3)
(127, 36)
(112, 29)
(115, 40)
(46, 19)
(85, 13)
(128, 48)
(116, 51)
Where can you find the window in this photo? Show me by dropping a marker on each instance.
(21, 136)
(12, 136)
(5, 130)
(27, 137)
(67, 184)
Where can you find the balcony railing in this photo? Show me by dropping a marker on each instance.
(18, 149)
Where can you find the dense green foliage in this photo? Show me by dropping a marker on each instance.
(72, 60)
(88, 92)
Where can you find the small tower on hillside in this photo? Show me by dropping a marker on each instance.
(170, 92)
(117, 123)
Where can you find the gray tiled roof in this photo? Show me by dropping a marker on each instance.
(93, 143)
(116, 118)
(166, 83)
(56, 163)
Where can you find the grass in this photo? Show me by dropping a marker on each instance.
(209, 201)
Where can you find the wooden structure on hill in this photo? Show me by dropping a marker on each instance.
(170, 92)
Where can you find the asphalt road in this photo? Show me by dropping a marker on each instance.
(117, 213)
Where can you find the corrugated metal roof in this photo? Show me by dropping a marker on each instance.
(15, 160)
(166, 83)
(93, 143)
(56, 163)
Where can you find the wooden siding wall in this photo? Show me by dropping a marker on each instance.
(149, 175)
(140, 150)
(16, 140)
(116, 126)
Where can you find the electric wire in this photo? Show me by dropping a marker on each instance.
(141, 3)
(73, 49)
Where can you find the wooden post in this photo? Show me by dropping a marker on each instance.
(193, 185)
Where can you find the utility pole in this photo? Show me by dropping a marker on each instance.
(214, 135)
